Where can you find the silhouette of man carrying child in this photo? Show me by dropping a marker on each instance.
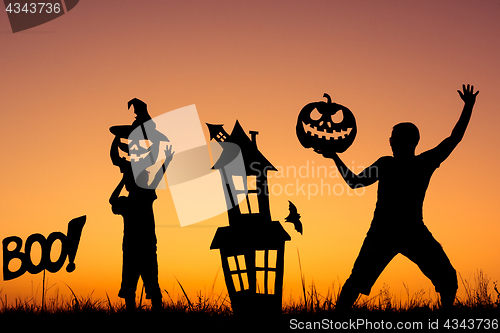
(143, 155)
(397, 225)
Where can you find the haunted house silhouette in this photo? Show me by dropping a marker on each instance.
(252, 247)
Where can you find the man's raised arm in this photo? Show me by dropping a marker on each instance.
(445, 148)
(469, 97)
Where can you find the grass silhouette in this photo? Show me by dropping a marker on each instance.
(478, 295)
(482, 300)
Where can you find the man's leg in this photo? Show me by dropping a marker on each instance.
(130, 303)
(447, 299)
(348, 295)
(373, 257)
(430, 257)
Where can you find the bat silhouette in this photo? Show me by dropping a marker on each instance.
(294, 217)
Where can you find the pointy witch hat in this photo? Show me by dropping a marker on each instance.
(142, 119)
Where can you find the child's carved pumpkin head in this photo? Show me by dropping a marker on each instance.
(140, 145)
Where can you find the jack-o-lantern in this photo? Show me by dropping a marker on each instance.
(140, 147)
(326, 126)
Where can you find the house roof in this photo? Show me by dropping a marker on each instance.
(215, 129)
(263, 235)
(253, 159)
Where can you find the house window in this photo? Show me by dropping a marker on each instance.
(265, 266)
(246, 194)
(221, 137)
(252, 183)
(238, 183)
(265, 282)
(253, 202)
(238, 271)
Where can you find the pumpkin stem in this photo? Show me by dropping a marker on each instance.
(329, 99)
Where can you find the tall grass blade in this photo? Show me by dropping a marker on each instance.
(142, 293)
(171, 300)
(182, 288)
(76, 305)
(43, 291)
(302, 279)
(110, 306)
(213, 284)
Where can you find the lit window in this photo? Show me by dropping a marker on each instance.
(259, 258)
(254, 203)
(273, 256)
(236, 282)
(265, 264)
(237, 267)
(243, 203)
(241, 263)
(265, 282)
(238, 183)
(252, 183)
(232, 263)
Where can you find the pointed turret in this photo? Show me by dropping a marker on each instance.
(217, 132)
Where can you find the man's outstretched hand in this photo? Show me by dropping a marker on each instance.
(468, 95)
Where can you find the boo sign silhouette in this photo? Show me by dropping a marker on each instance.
(69, 246)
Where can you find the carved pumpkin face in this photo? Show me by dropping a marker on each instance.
(142, 154)
(136, 150)
(140, 148)
(326, 126)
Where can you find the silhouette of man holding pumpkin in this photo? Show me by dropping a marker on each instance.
(397, 225)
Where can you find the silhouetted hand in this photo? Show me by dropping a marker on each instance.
(169, 151)
(468, 95)
(169, 154)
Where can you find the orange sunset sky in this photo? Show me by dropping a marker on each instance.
(64, 83)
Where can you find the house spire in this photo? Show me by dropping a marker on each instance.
(217, 132)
